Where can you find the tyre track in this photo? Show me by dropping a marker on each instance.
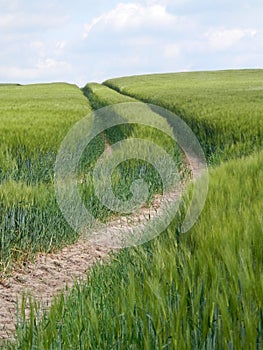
(49, 274)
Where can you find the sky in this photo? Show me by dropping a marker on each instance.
(83, 41)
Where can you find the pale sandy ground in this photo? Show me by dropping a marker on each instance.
(43, 278)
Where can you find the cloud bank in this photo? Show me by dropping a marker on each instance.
(59, 41)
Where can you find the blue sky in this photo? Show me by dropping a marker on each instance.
(81, 41)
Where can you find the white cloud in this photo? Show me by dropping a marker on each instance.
(46, 69)
(133, 16)
(222, 39)
(43, 41)
(167, 2)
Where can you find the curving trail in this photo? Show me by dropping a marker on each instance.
(50, 274)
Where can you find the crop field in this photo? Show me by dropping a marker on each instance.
(202, 290)
(223, 108)
(197, 290)
(34, 121)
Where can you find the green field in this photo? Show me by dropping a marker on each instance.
(200, 290)
(34, 121)
(223, 108)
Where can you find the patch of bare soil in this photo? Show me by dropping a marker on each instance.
(43, 278)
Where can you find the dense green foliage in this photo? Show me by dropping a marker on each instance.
(36, 117)
(34, 121)
(224, 109)
(101, 96)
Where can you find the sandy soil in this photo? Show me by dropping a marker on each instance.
(43, 278)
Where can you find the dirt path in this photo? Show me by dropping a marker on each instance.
(52, 273)
(43, 278)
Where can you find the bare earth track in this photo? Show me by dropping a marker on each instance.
(50, 274)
